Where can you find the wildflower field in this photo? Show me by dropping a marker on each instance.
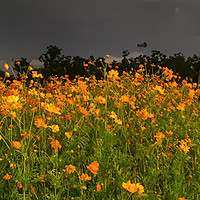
(135, 136)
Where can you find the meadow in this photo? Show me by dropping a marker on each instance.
(135, 136)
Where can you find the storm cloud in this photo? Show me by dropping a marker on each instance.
(94, 27)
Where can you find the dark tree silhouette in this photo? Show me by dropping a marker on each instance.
(140, 46)
(21, 66)
(55, 63)
(125, 62)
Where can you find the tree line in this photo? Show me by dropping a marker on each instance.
(56, 64)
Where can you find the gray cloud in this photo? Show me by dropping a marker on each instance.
(97, 27)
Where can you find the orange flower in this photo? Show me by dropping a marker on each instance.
(7, 177)
(39, 122)
(183, 146)
(19, 185)
(93, 167)
(55, 128)
(125, 98)
(138, 76)
(42, 178)
(55, 144)
(16, 144)
(98, 187)
(68, 135)
(84, 188)
(32, 190)
(132, 187)
(159, 89)
(6, 67)
(181, 106)
(144, 114)
(37, 137)
(113, 115)
(7, 74)
(159, 136)
(13, 114)
(113, 75)
(70, 169)
(85, 177)
(51, 108)
(30, 68)
(163, 154)
(17, 63)
(118, 121)
(91, 63)
(169, 133)
(100, 99)
(183, 198)
(82, 110)
(85, 65)
(140, 188)
(67, 117)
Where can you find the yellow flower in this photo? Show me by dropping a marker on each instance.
(107, 56)
(12, 99)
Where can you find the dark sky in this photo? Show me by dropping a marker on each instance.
(98, 27)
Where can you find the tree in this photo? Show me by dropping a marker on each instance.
(125, 62)
(140, 46)
(21, 66)
(54, 62)
(77, 66)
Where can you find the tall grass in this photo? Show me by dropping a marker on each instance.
(129, 137)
